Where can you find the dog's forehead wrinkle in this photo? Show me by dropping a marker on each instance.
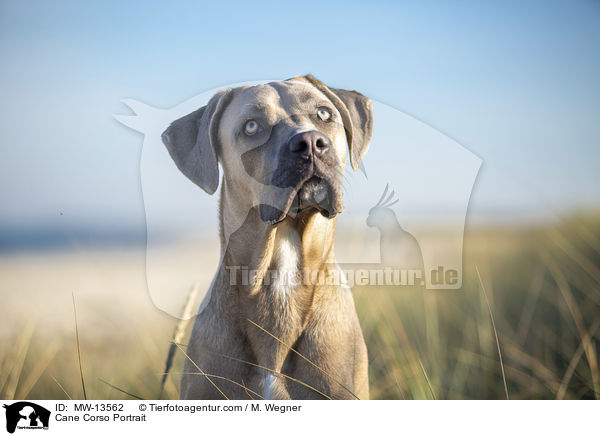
(261, 92)
(257, 106)
(305, 96)
(257, 97)
(298, 94)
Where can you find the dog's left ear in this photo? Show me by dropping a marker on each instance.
(357, 115)
(193, 142)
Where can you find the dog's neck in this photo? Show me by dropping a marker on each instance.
(272, 314)
(299, 244)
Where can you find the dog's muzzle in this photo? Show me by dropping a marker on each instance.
(308, 166)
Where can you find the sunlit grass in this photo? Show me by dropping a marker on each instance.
(543, 288)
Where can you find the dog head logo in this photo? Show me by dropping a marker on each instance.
(26, 415)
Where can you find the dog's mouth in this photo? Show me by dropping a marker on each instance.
(316, 193)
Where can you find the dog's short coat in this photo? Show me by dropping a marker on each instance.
(283, 147)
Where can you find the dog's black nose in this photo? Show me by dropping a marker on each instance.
(308, 144)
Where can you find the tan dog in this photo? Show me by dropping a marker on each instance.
(283, 148)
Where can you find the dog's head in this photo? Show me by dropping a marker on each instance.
(282, 145)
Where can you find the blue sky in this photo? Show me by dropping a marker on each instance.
(517, 83)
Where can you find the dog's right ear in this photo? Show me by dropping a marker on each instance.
(192, 142)
(357, 115)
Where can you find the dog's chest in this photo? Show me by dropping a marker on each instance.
(286, 262)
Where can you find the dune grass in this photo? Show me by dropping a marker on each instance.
(544, 295)
(525, 325)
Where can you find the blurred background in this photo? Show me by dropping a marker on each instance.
(514, 83)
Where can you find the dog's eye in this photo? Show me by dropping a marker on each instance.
(324, 114)
(251, 127)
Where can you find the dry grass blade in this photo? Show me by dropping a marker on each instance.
(586, 264)
(61, 388)
(399, 386)
(495, 332)
(246, 388)
(538, 367)
(78, 349)
(202, 372)
(528, 309)
(185, 317)
(122, 390)
(395, 336)
(586, 340)
(305, 358)
(15, 362)
(427, 378)
(277, 373)
(38, 369)
(258, 366)
(247, 391)
(562, 390)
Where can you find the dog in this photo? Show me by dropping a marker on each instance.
(283, 148)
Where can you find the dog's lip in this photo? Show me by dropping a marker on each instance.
(293, 198)
(288, 205)
(297, 197)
